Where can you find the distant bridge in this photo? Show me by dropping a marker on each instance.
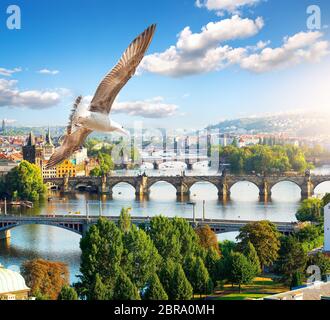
(182, 183)
(80, 224)
(188, 160)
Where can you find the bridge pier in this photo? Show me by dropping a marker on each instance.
(105, 187)
(265, 190)
(142, 188)
(5, 235)
(307, 190)
(182, 190)
(224, 192)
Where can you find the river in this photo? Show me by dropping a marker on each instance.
(29, 242)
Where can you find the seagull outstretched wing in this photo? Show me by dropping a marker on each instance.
(71, 143)
(105, 95)
(125, 69)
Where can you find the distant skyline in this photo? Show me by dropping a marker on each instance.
(210, 59)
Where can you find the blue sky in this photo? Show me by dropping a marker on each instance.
(239, 65)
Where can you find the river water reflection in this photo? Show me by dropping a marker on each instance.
(52, 243)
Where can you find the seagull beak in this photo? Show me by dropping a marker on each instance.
(123, 132)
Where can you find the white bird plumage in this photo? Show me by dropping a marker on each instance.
(95, 117)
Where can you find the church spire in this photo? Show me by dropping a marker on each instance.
(31, 140)
(49, 138)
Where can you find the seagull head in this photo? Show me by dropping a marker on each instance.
(119, 128)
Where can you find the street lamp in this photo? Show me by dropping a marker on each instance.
(100, 208)
(87, 209)
(204, 212)
(193, 204)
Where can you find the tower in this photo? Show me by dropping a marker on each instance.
(3, 128)
(48, 148)
(29, 150)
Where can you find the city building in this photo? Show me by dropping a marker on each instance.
(6, 166)
(29, 150)
(12, 285)
(67, 167)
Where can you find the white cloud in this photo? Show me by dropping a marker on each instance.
(231, 6)
(154, 108)
(47, 71)
(151, 108)
(303, 46)
(196, 53)
(11, 96)
(9, 72)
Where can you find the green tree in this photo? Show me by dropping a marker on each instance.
(165, 238)
(212, 264)
(166, 273)
(125, 289)
(296, 280)
(226, 247)
(322, 261)
(292, 258)
(251, 254)
(265, 239)
(242, 271)
(155, 290)
(181, 288)
(200, 278)
(311, 210)
(24, 182)
(125, 222)
(141, 258)
(68, 293)
(99, 290)
(96, 172)
(188, 239)
(102, 249)
(106, 163)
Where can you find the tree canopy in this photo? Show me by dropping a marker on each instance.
(264, 237)
(263, 158)
(45, 278)
(23, 182)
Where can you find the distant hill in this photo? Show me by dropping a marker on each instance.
(304, 124)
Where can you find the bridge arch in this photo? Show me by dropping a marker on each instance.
(203, 186)
(122, 182)
(271, 186)
(322, 187)
(123, 190)
(158, 183)
(234, 183)
(84, 186)
(76, 228)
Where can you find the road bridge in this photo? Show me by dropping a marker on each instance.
(80, 224)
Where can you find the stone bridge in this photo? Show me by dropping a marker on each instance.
(189, 161)
(81, 224)
(142, 183)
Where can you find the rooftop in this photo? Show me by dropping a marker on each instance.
(316, 291)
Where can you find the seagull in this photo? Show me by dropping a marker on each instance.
(95, 117)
